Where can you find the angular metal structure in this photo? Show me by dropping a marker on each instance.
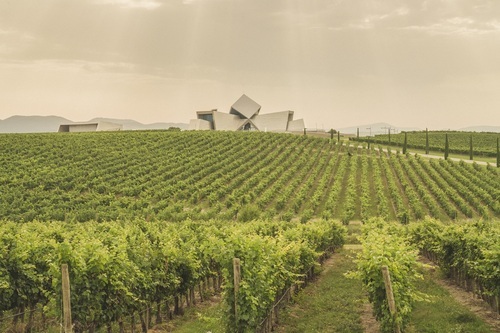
(245, 107)
(244, 116)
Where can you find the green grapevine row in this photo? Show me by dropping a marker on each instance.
(385, 244)
(119, 268)
(467, 252)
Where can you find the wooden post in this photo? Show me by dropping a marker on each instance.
(237, 279)
(390, 295)
(67, 325)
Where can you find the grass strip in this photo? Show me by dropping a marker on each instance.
(333, 303)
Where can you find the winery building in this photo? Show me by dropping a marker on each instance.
(244, 115)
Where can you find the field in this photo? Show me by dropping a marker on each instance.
(145, 219)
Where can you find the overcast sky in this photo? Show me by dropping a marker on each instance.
(336, 63)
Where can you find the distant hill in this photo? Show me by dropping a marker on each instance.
(32, 124)
(381, 128)
(493, 129)
(129, 124)
(374, 129)
(41, 124)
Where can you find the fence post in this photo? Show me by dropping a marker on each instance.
(237, 279)
(67, 325)
(390, 295)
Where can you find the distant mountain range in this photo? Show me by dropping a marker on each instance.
(494, 129)
(374, 129)
(41, 124)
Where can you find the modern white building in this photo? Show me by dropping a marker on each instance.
(244, 116)
(90, 127)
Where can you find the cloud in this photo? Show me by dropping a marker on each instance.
(460, 26)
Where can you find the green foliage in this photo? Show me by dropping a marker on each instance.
(248, 213)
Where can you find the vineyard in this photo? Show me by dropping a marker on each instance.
(172, 176)
(483, 143)
(144, 218)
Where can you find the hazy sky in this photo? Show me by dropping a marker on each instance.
(336, 63)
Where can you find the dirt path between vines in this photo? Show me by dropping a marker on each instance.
(476, 305)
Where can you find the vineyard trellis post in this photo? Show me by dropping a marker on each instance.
(390, 295)
(66, 300)
(237, 279)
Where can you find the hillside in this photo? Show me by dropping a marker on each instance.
(200, 175)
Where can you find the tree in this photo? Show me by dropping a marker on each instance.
(446, 147)
(498, 153)
(471, 157)
(405, 145)
(332, 132)
(426, 141)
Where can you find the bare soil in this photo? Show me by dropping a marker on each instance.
(370, 324)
